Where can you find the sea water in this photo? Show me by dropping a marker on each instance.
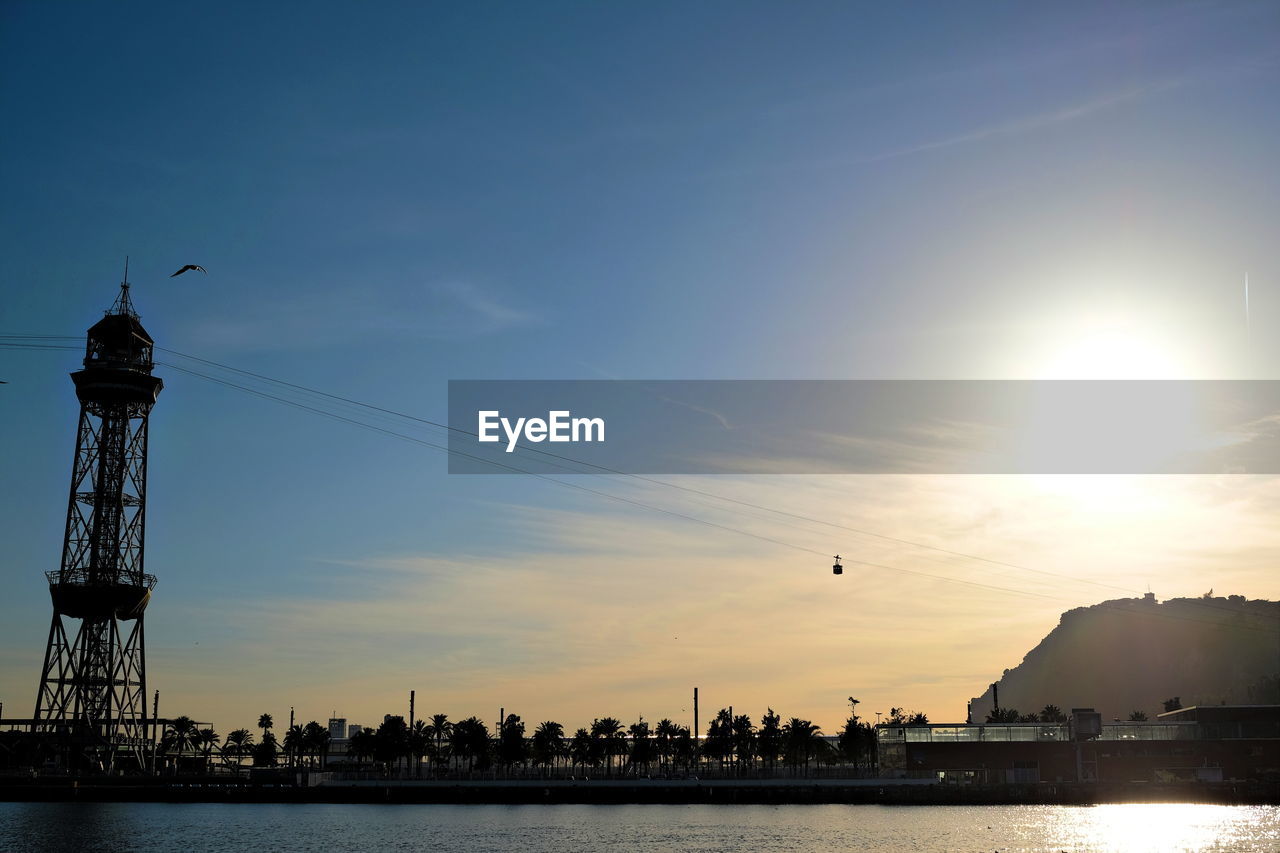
(221, 827)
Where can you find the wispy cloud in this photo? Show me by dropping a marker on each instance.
(480, 310)
(441, 310)
(1080, 109)
(914, 448)
(702, 410)
(1009, 128)
(1023, 124)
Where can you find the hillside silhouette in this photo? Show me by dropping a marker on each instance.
(1132, 654)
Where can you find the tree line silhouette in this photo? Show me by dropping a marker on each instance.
(1054, 714)
(732, 745)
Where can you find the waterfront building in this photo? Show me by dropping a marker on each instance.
(1212, 743)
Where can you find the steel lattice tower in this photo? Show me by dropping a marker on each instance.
(92, 697)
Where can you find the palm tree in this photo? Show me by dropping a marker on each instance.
(582, 749)
(511, 746)
(441, 731)
(315, 739)
(606, 734)
(801, 741)
(237, 744)
(180, 734)
(419, 743)
(548, 743)
(266, 753)
(641, 745)
(471, 740)
(208, 739)
(184, 734)
(850, 741)
(1137, 716)
(903, 717)
(1052, 714)
(293, 743)
(391, 741)
(769, 742)
(362, 745)
(684, 748)
(323, 739)
(665, 732)
(719, 741)
(265, 722)
(744, 741)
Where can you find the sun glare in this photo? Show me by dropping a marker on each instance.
(1101, 436)
(1112, 353)
(1164, 826)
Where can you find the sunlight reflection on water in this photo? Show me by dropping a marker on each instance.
(1160, 827)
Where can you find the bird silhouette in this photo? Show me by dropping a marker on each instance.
(190, 267)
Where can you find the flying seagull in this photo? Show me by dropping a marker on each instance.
(190, 267)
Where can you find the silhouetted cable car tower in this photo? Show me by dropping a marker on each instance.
(93, 689)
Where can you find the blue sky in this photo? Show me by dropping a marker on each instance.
(388, 196)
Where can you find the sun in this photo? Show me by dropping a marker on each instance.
(1093, 427)
(1112, 352)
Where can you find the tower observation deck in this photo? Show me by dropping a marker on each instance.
(92, 697)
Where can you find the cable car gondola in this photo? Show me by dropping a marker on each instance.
(837, 569)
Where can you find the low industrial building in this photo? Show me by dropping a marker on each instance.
(1210, 743)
